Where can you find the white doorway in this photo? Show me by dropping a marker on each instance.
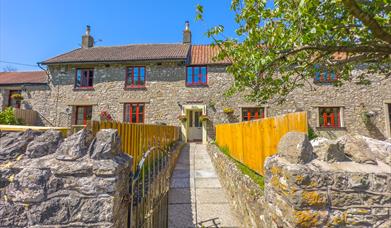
(195, 125)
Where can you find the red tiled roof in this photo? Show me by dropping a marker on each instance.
(204, 55)
(136, 52)
(30, 77)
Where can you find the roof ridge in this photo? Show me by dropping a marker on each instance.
(144, 44)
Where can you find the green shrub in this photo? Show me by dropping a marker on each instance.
(7, 117)
(258, 179)
(311, 134)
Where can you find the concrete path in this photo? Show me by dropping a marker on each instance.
(196, 198)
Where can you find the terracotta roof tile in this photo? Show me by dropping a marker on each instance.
(30, 77)
(136, 52)
(204, 55)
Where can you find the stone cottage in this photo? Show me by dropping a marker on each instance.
(181, 84)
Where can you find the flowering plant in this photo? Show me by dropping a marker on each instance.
(228, 110)
(105, 116)
(182, 118)
(17, 96)
(204, 118)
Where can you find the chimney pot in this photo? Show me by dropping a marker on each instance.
(187, 33)
(87, 41)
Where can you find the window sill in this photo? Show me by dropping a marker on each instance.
(84, 89)
(331, 128)
(325, 82)
(197, 85)
(135, 88)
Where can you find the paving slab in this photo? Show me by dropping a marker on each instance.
(196, 197)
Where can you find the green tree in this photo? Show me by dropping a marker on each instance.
(279, 48)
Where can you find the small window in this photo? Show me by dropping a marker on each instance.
(84, 78)
(12, 101)
(324, 75)
(252, 113)
(196, 75)
(330, 117)
(134, 113)
(135, 76)
(83, 114)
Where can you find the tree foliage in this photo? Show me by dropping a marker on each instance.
(279, 48)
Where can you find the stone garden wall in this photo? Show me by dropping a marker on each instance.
(344, 183)
(323, 183)
(244, 194)
(46, 181)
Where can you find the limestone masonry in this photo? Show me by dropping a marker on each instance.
(46, 181)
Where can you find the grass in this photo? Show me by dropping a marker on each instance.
(258, 179)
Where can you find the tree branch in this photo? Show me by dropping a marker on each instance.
(367, 20)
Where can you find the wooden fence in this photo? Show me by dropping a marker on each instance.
(251, 142)
(137, 138)
(29, 117)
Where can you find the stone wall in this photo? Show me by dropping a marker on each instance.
(166, 91)
(343, 183)
(244, 194)
(46, 181)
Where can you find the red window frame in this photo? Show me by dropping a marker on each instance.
(132, 85)
(325, 76)
(17, 102)
(331, 119)
(193, 83)
(89, 77)
(137, 113)
(259, 113)
(84, 114)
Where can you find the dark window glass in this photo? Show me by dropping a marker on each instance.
(252, 113)
(83, 114)
(134, 113)
(197, 122)
(84, 78)
(135, 76)
(196, 75)
(330, 117)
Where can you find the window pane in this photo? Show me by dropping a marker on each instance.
(129, 78)
(134, 118)
(140, 118)
(142, 75)
(136, 74)
(189, 79)
(190, 119)
(88, 111)
(141, 108)
(204, 73)
(196, 74)
(127, 113)
(78, 78)
(197, 119)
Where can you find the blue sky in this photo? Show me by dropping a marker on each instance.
(35, 30)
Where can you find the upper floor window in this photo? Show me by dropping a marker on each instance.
(83, 114)
(135, 76)
(14, 98)
(84, 78)
(196, 75)
(134, 112)
(324, 75)
(253, 113)
(330, 117)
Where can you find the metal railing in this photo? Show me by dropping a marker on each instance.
(148, 206)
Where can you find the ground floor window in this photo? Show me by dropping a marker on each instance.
(83, 114)
(252, 113)
(330, 117)
(13, 100)
(389, 118)
(134, 112)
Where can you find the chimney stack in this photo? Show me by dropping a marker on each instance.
(87, 40)
(187, 33)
